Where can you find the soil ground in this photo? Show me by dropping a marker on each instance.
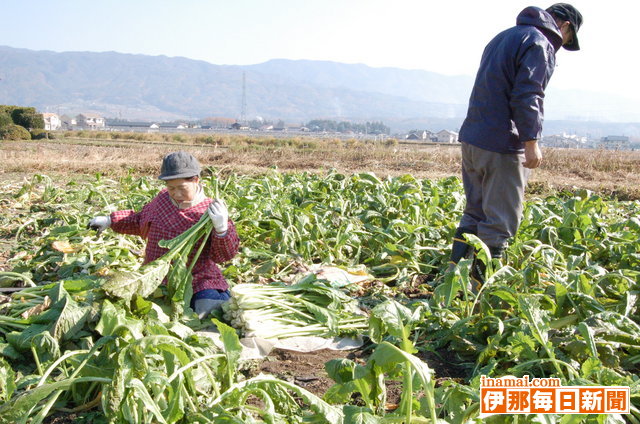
(606, 172)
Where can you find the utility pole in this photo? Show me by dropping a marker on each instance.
(243, 107)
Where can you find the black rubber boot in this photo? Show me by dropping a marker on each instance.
(460, 248)
(479, 268)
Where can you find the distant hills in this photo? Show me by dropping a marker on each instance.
(140, 87)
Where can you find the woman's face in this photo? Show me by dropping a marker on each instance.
(183, 189)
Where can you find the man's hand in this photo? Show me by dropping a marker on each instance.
(219, 215)
(532, 154)
(99, 223)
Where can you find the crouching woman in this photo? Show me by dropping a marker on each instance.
(174, 210)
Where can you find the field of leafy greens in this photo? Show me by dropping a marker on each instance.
(95, 335)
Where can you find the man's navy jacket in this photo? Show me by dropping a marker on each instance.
(506, 104)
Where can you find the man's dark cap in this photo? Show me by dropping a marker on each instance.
(566, 12)
(179, 165)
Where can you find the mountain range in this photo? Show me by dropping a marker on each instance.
(141, 87)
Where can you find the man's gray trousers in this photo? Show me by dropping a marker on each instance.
(494, 187)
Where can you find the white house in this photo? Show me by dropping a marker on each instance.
(90, 120)
(52, 121)
(446, 136)
(424, 135)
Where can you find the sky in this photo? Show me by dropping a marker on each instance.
(446, 37)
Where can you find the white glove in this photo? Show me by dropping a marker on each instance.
(203, 307)
(100, 223)
(219, 215)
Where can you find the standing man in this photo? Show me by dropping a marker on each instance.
(504, 123)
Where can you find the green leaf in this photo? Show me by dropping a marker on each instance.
(22, 340)
(590, 368)
(46, 346)
(17, 411)
(453, 282)
(587, 334)
(330, 413)
(178, 279)
(530, 307)
(71, 319)
(175, 410)
(392, 318)
(340, 370)
(140, 306)
(370, 178)
(114, 322)
(573, 419)
(388, 356)
(615, 327)
(360, 415)
(232, 349)
(8, 351)
(7, 380)
(79, 285)
(140, 391)
(522, 346)
(506, 294)
(143, 282)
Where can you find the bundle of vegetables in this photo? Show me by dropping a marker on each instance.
(176, 265)
(308, 308)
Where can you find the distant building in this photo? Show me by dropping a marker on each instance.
(412, 136)
(567, 141)
(446, 136)
(127, 125)
(52, 121)
(614, 142)
(68, 122)
(90, 120)
(217, 122)
(238, 126)
(421, 135)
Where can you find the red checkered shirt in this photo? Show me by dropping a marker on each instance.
(160, 219)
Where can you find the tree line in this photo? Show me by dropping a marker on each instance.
(326, 125)
(20, 123)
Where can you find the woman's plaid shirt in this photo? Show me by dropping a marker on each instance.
(160, 219)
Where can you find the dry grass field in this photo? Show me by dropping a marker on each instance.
(607, 172)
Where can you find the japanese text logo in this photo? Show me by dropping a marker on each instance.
(521, 395)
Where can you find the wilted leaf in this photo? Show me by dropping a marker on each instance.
(37, 309)
(64, 247)
(71, 320)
